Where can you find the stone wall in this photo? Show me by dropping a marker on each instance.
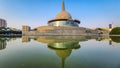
(59, 31)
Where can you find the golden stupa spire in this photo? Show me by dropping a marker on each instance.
(63, 6)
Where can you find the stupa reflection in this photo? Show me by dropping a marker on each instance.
(62, 45)
(63, 49)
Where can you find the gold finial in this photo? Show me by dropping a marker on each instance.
(63, 6)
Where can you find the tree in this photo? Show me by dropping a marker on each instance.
(115, 31)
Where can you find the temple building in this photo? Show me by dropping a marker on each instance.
(63, 19)
(62, 25)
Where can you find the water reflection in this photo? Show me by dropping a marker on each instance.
(33, 53)
(110, 42)
(63, 45)
(25, 39)
(64, 49)
(2, 43)
(54, 42)
(115, 39)
(61, 41)
(4, 40)
(50, 39)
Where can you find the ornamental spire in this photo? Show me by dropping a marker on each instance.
(63, 6)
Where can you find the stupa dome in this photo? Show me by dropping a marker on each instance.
(63, 19)
(63, 14)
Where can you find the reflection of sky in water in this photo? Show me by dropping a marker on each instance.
(34, 54)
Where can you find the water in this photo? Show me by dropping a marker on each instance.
(60, 52)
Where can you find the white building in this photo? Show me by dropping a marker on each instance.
(3, 23)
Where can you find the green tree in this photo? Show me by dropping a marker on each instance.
(115, 31)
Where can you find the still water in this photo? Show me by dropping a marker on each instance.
(60, 52)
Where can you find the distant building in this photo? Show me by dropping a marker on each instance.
(3, 23)
(26, 28)
(110, 27)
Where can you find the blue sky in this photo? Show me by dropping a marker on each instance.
(35, 13)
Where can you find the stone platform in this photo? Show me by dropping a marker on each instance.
(59, 31)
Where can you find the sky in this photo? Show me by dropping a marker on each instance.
(35, 13)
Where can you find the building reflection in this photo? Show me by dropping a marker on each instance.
(110, 42)
(25, 39)
(4, 40)
(64, 49)
(54, 39)
(57, 39)
(62, 45)
(51, 39)
(2, 43)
